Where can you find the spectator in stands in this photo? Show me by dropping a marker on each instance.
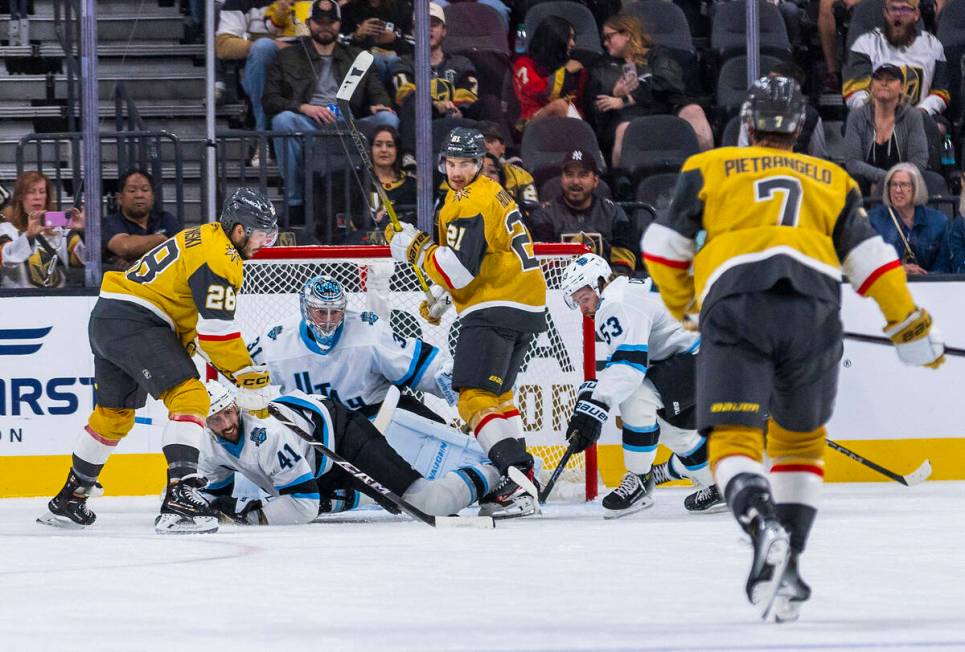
(33, 254)
(137, 226)
(383, 27)
(579, 215)
(830, 13)
(253, 31)
(517, 181)
(919, 55)
(916, 231)
(637, 79)
(810, 140)
(454, 87)
(953, 260)
(301, 86)
(884, 132)
(549, 80)
(399, 186)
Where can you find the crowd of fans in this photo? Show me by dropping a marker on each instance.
(604, 67)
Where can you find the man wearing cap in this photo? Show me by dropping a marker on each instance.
(918, 54)
(454, 87)
(301, 86)
(518, 182)
(579, 215)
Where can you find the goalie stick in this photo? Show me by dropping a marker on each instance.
(479, 522)
(557, 472)
(343, 98)
(917, 476)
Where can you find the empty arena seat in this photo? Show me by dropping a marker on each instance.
(732, 82)
(474, 27)
(728, 34)
(657, 143)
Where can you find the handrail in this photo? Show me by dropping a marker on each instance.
(149, 160)
(67, 29)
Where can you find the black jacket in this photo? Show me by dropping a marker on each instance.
(292, 79)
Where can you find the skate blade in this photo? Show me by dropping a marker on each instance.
(764, 594)
(785, 610)
(61, 522)
(610, 514)
(177, 524)
(477, 522)
(530, 508)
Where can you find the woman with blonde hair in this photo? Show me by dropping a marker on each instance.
(636, 79)
(33, 253)
(916, 231)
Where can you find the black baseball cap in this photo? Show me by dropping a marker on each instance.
(888, 69)
(491, 130)
(583, 158)
(332, 13)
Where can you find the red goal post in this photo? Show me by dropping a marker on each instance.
(558, 361)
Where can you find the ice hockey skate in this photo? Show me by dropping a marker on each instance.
(771, 549)
(184, 511)
(68, 509)
(510, 500)
(791, 594)
(706, 500)
(634, 494)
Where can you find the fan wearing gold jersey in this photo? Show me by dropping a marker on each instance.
(142, 332)
(487, 265)
(780, 228)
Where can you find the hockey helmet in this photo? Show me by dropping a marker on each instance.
(219, 396)
(323, 304)
(774, 105)
(251, 209)
(463, 142)
(585, 271)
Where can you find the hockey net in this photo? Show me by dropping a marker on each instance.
(551, 373)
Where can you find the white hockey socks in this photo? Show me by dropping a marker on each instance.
(90, 454)
(180, 442)
(797, 493)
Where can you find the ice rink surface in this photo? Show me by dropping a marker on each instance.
(887, 565)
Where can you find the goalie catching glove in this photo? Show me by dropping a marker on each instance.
(433, 309)
(587, 421)
(254, 390)
(916, 341)
(408, 245)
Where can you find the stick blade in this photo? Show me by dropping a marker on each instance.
(359, 67)
(919, 475)
(475, 522)
(524, 482)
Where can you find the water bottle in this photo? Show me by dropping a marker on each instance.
(948, 153)
(520, 42)
(333, 107)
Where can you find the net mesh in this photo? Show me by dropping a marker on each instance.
(552, 369)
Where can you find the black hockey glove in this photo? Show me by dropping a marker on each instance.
(240, 511)
(586, 390)
(587, 421)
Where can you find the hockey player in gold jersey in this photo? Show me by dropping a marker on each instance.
(143, 331)
(780, 228)
(487, 264)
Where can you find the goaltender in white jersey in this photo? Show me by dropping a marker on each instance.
(350, 357)
(299, 484)
(649, 375)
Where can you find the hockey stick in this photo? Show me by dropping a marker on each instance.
(343, 98)
(384, 416)
(878, 339)
(479, 522)
(917, 476)
(557, 472)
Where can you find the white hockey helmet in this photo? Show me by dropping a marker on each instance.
(323, 304)
(585, 271)
(219, 396)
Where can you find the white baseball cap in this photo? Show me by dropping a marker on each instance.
(435, 11)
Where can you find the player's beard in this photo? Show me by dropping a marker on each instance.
(900, 36)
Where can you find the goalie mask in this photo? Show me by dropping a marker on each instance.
(323, 304)
(585, 271)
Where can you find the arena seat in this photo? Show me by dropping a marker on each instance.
(547, 140)
(731, 132)
(474, 27)
(657, 143)
(587, 31)
(728, 33)
(951, 32)
(666, 25)
(657, 190)
(732, 83)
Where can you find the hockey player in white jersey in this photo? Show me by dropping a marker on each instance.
(350, 357)
(300, 483)
(649, 375)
